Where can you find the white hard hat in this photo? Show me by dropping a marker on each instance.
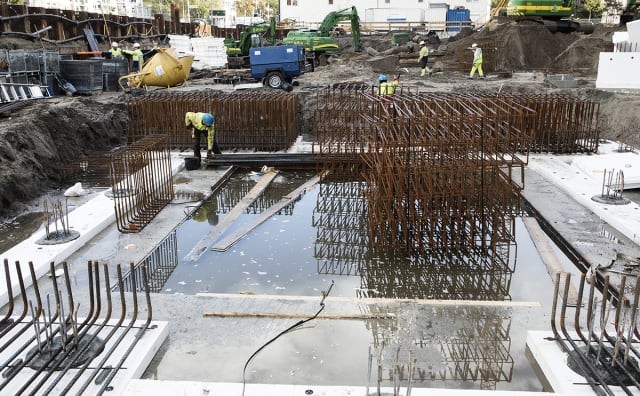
(422, 43)
(136, 45)
(114, 44)
(474, 45)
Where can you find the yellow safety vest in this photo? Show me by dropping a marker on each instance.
(386, 89)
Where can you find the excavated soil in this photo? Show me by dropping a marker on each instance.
(37, 141)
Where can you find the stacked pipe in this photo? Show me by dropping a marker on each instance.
(141, 181)
(263, 121)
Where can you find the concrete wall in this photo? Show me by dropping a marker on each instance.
(618, 70)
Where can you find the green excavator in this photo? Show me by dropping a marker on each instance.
(318, 42)
(251, 36)
(556, 15)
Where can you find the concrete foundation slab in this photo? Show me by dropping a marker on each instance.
(552, 362)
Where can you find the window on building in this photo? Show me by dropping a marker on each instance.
(330, 1)
(387, 1)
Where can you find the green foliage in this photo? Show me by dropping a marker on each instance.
(246, 7)
(202, 10)
(594, 7)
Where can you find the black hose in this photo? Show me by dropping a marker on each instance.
(288, 329)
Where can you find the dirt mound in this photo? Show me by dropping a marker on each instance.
(528, 45)
(39, 140)
(509, 46)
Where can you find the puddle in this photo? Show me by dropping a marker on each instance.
(323, 238)
(21, 228)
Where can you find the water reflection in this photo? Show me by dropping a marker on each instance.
(17, 230)
(433, 345)
(331, 229)
(343, 247)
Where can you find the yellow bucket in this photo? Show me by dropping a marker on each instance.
(164, 69)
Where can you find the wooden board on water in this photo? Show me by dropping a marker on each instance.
(229, 241)
(206, 241)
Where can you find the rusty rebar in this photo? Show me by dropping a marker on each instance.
(141, 182)
(244, 120)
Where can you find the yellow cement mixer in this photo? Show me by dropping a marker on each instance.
(164, 69)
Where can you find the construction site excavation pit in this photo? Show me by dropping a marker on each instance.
(319, 242)
(399, 272)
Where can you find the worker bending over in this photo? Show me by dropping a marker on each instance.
(199, 124)
(423, 59)
(477, 62)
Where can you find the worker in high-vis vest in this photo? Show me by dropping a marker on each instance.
(477, 62)
(199, 124)
(385, 88)
(115, 51)
(423, 58)
(137, 57)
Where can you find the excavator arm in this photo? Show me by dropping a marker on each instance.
(347, 14)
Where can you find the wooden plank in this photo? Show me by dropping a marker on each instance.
(296, 315)
(548, 256)
(207, 240)
(226, 243)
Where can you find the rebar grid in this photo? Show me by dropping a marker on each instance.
(91, 170)
(244, 120)
(158, 266)
(603, 345)
(66, 354)
(444, 171)
(342, 240)
(141, 181)
(469, 274)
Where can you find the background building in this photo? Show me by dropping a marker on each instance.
(313, 11)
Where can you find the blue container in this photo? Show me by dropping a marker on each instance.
(457, 19)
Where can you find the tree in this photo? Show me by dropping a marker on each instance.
(594, 7)
(247, 7)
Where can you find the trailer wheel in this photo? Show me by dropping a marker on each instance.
(274, 80)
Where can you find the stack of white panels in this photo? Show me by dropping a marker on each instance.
(181, 43)
(210, 53)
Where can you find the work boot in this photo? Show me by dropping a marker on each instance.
(422, 73)
(470, 77)
(209, 154)
(430, 73)
(482, 77)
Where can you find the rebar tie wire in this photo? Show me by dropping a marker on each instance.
(325, 294)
